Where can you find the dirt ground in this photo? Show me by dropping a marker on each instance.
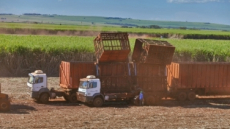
(25, 113)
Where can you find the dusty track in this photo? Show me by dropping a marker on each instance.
(25, 113)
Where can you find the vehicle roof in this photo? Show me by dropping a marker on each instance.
(35, 74)
(88, 79)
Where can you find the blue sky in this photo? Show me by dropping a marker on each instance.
(214, 11)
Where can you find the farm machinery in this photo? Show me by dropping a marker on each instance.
(4, 101)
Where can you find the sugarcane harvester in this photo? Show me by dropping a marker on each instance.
(4, 101)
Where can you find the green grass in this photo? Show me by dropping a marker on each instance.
(202, 50)
(198, 50)
(47, 44)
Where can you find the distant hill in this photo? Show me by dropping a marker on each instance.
(107, 21)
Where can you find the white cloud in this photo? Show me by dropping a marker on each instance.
(193, 1)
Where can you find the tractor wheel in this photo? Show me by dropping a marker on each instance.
(4, 105)
(44, 98)
(191, 96)
(98, 102)
(182, 96)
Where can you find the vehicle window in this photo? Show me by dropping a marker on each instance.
(94, 84)
(84, 84)
(38, 79)
(91, 85)
(31, 79)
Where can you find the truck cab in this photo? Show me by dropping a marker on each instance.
(37, 84)
(89, 91)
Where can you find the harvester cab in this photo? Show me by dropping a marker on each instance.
(4, 101)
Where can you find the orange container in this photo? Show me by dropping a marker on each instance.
(152, 84)
(112, 47)
(71, 72)
(115, 77)
(152, 51)
(149, 70)
(150, 77)
(113, 69)
(213, 78)
(116, 84)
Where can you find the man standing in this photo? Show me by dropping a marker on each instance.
(141, 98)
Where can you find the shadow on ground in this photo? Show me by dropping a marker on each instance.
(20, 109)
(221, 103)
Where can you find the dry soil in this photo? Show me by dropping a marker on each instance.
(209, 112)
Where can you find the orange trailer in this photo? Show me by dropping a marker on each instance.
(70, 73)
(187, 79)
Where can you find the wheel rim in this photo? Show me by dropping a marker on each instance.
(98, 102)
(44, 98)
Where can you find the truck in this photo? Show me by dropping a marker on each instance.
(91, 91)
(69, 74)
(112, 82)
(4, 101)
(188, 79)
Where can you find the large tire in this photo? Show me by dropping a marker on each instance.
(72, 98)
(44, 98)
(4, 105)
(191, 96)
(98, 102)
(182, 96)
